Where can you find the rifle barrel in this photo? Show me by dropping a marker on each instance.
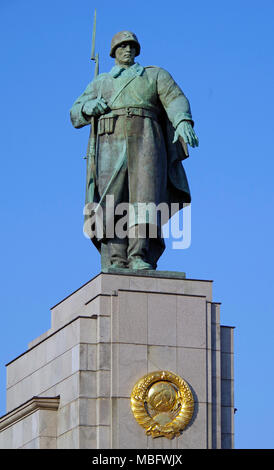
(96, 71)
(93, 37)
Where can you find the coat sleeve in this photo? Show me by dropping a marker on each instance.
(77, 117)
(173, 99)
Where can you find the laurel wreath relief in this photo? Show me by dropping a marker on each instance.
(174, 395)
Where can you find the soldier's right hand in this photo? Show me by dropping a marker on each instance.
(95, 107)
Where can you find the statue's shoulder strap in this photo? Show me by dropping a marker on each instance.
(121, 89)
(152, 70)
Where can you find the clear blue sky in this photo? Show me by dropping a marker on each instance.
(221, 54)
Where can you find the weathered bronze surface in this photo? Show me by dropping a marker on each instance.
(141, 122)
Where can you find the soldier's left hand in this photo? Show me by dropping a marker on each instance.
(185, 130)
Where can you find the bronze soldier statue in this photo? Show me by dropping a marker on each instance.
(142, 122)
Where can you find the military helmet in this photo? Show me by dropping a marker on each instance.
(124, 36)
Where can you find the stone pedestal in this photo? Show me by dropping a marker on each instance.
(71, 388)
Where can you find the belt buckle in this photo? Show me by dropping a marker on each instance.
(129, 112)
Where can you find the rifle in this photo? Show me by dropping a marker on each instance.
(91, 149)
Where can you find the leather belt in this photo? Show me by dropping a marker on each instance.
(132, 111)
(106, 122)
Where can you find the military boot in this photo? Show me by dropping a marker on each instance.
(137, 253)
(117, 249)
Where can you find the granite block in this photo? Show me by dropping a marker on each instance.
(191, 322)
(87, 437)
(125, 431)
(129, 364)
(162, 358)
(132, 311)
(161, 319)
(69, 440)
(192, 367)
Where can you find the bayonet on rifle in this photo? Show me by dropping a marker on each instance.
(93, 56)
(91, 150)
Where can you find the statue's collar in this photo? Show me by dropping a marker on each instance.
(135, 69)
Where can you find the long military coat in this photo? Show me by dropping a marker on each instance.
(136, 160)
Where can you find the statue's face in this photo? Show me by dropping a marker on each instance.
(125, 54)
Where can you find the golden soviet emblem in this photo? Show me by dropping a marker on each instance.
(162, 403)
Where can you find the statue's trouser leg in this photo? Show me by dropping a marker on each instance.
(138, 247)
(117, 246)
(117, 249)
